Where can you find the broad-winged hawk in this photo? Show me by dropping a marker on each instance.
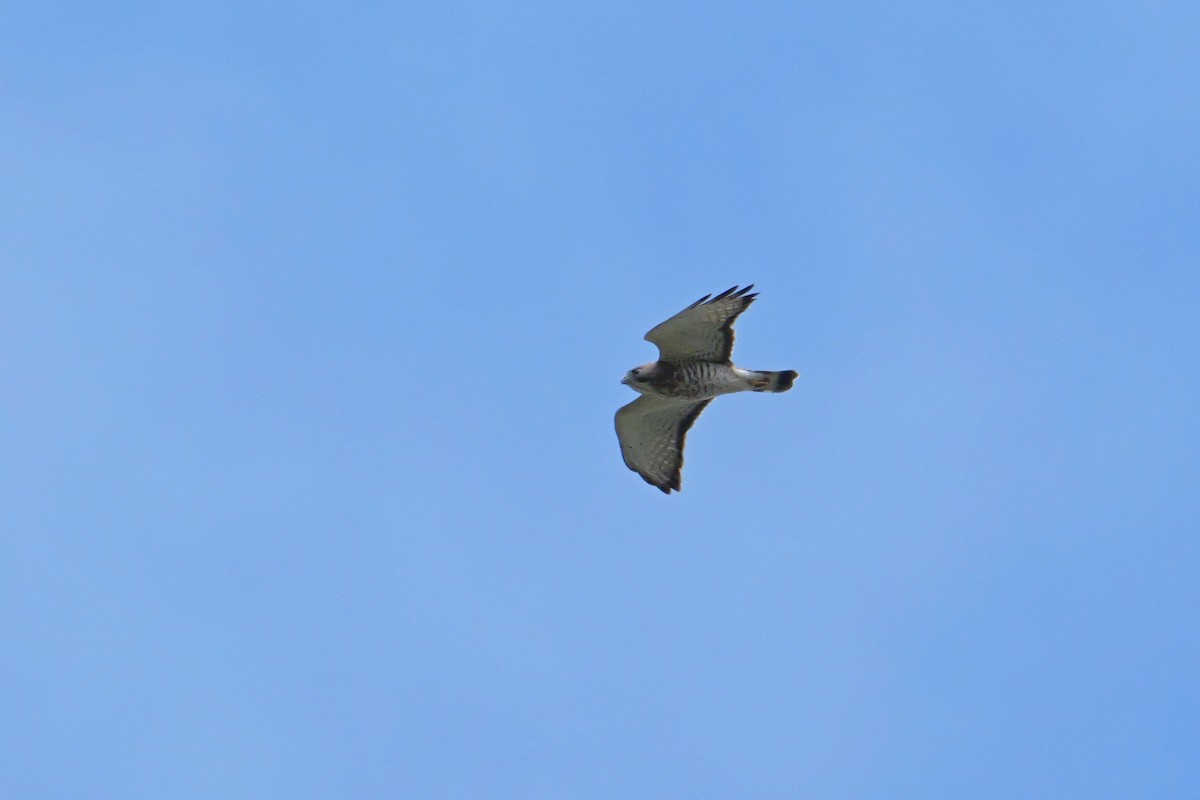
(693, 367)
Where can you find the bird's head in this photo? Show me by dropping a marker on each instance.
(637, 377)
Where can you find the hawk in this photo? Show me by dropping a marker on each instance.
(693, 367)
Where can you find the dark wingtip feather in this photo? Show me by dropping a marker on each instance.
(663, 486)
(733, 293)
(666, 487)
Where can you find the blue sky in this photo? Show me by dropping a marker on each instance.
(312, 321)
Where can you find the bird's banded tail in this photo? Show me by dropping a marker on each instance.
(776, 381)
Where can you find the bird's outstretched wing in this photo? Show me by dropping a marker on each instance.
(704, 330)
(652, 432)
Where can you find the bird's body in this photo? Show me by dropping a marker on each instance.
(694, 366)
(693, 380)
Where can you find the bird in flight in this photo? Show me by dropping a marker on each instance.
(693, 367)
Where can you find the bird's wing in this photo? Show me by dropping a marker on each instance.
(652, 432)
(704, 330)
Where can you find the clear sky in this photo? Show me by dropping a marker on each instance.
(312, 321)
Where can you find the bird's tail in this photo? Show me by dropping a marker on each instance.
(776, 381)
